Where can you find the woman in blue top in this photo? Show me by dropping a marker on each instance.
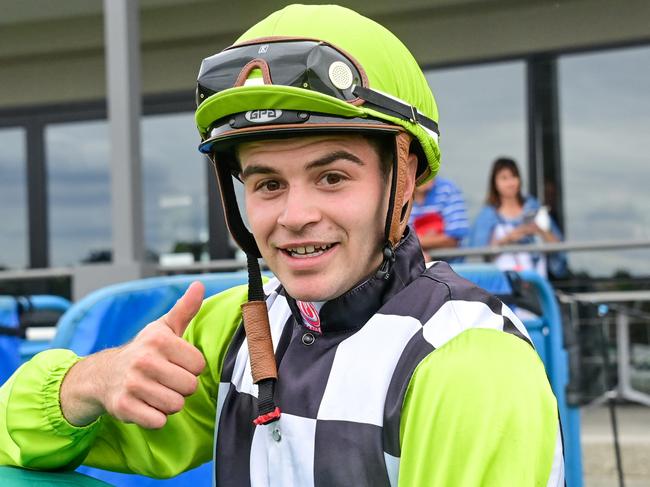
(509, 217)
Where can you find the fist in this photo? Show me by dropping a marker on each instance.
(143, 381)
(151, 376)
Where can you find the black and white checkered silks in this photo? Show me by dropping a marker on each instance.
(341, 396)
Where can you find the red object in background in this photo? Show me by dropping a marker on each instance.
(428, 224)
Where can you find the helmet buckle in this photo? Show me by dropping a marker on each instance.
(387, 264)
(414, 117)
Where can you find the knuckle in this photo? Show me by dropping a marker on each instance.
(189, 386)
(177, 403)
(121, 406)
(192, 384)
(143, 361)
(198, 363)
(151, 418)
(201, 362)
(156, 421)
(157, 340)
(131, 383)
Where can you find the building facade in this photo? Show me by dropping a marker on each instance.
(560, 86)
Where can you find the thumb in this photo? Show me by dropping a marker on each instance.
(185, 308)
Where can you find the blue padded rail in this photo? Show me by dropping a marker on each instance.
(9, 345)
(13, 350)
(113, 315)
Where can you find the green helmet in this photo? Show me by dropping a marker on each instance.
(312, 69)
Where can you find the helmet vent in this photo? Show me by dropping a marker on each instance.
(341, 75)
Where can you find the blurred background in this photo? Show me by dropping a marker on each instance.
(560, 86)
(101, 180)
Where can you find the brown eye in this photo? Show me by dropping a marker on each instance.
(333, 178)
(269, 186)
(272, 186)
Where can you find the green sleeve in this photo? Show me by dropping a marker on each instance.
(479, 411)
(34, 433)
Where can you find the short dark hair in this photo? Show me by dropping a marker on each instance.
(501, 164)
(385, 147)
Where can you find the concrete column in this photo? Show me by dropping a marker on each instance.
(122, 41)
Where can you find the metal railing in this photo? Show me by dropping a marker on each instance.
(542, 248)
(25, 274)
(623, 389)
(236, 264)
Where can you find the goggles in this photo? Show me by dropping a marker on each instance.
(300, 63)
(307, 64)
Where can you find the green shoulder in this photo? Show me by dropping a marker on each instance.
(479, 411)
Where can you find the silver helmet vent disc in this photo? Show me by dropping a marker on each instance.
(341, 75)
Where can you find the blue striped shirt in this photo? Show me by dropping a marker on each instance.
(445, 199)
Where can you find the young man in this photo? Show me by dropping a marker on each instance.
(355, 365)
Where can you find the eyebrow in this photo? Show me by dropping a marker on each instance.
(320, 162)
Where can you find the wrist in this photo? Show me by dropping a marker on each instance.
(81, 394)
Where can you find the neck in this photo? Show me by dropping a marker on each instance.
(510, 201)
(354, 307)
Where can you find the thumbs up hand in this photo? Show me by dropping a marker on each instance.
(143, 381)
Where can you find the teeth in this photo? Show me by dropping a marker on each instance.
(309, 249)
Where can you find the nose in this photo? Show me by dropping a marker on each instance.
(300, 209)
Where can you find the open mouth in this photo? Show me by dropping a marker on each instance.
(308, 251)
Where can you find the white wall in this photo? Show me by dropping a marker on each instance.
(58, 56)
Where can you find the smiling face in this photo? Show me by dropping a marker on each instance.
(507, 183)
(317, 208)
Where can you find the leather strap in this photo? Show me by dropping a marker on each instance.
(401, 206)
(260, 345)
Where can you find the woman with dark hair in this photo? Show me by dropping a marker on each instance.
(509, 218)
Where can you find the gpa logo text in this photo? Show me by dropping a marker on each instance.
(263, 116)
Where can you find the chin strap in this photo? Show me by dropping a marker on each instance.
(399, 207)
(254, 312)
(387, 264)
(260, 345)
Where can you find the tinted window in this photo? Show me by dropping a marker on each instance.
(174, 185)
(78, 192)
(482, 116)
(605, 122)
(13, 199)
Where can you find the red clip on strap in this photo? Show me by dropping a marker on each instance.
(268, 417)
